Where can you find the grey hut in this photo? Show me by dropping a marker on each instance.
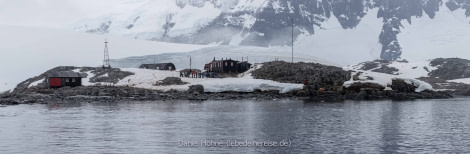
(159, 66)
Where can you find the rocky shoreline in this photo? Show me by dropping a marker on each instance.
(321, 84)
(113, 94)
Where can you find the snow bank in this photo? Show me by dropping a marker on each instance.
(386, 80)
(406, 71)
(144, 78)
(421, 85)
(245, 85)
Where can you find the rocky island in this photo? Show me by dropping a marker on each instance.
(375, 80)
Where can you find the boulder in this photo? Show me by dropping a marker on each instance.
(399, 85)
(170, 81)
(197, 89)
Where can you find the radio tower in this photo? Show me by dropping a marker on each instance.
(106, 55)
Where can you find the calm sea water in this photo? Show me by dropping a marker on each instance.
(245, 126)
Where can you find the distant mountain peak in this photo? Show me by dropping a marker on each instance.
(265, 22)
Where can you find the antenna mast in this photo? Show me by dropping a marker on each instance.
(292, 39)
(106, 55)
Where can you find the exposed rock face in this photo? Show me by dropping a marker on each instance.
(402, 86)
(107, 75)
(170, 81)
(314, 73)
(380, 66)
(450, 68)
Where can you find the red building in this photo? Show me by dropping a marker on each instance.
(65, 78)
(227, 66)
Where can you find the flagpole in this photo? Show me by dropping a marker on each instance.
(292, 40)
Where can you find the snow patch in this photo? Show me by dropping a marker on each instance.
(35, 83)
(237, 39)
(463, 80)
(144, 78)
(277, 7)
(86, 81)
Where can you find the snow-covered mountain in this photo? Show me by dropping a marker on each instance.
(382, 27)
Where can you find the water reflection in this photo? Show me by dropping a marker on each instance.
(391, 127)
(428, 126)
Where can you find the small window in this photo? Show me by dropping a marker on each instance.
(225, 63)
(67, 80)
(232, 63)
(73, 79)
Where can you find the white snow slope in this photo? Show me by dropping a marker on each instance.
(144, 78)
(148, 16)
(445, 36)
(332, 42)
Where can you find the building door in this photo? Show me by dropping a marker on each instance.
(54, 82)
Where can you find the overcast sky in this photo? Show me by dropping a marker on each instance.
(51, 13)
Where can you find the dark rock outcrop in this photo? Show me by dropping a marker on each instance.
(450, 68)
(380, 66)
(323, 76)
(197, 89)
(170, 81)
(403, 87)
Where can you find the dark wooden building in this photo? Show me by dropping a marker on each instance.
(159, 66)
(243, 66)
(227, 66)
(65, 78)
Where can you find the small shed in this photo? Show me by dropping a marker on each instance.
(65, 78)
(159, 66)
(243, 66)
